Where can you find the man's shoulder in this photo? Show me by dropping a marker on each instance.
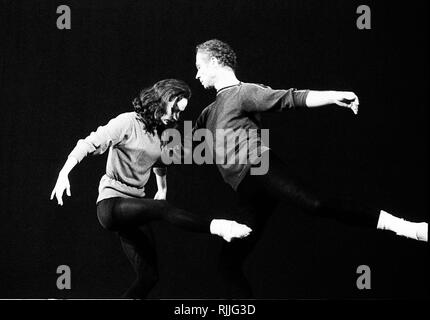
(253, 90)
(253, 86)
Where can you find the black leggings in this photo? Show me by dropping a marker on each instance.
(258, 198)
(139, 246)
(129, 217)
(117, 213)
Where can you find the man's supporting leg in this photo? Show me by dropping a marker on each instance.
(255, 208)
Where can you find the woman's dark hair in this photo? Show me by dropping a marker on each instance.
(151, 103)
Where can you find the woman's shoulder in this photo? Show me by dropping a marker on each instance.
(132, 120)
(123, 121)
(126, 117)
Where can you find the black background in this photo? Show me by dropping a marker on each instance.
(59, 85)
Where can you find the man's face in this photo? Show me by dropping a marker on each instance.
(205, 69)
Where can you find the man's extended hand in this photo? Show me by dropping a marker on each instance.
(346, 99)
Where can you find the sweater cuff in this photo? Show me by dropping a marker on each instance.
(80, 151)
(299, 97)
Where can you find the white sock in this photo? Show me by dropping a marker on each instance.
(413, 230)
(228, 229)
(219, 227)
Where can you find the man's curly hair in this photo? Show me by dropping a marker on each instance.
(220, 50)
(151, 103)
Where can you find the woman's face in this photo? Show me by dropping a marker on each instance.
(173, 109)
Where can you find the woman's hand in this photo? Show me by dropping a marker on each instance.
(161, 194)
(61, 185)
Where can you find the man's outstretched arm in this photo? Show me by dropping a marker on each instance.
(346, 99)
(259, 98)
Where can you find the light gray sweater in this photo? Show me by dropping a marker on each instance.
(132, 153)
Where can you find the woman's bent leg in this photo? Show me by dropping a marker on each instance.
(139, 247)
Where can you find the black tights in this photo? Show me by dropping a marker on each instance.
(117, 214)
(258, 198)
(139, 246)
(129, 216)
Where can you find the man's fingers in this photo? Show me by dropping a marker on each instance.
(68, 191)
(342, 104)
(52, 194)
(350, 104)
(355, 100)
(248, 230)
(354, 107)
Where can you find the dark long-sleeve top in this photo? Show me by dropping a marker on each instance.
(237, 110)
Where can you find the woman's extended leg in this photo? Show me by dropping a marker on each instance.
(122, 213)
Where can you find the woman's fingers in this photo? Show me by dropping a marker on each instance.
(61, 186)
(58, 193)
(59, 196)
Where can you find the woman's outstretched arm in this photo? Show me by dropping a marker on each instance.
(62, 183)
(98, 142)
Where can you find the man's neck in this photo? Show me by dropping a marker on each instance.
(226, 78)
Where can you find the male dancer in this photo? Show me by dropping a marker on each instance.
(237, 107)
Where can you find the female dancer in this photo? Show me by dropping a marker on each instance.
(134, 143)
